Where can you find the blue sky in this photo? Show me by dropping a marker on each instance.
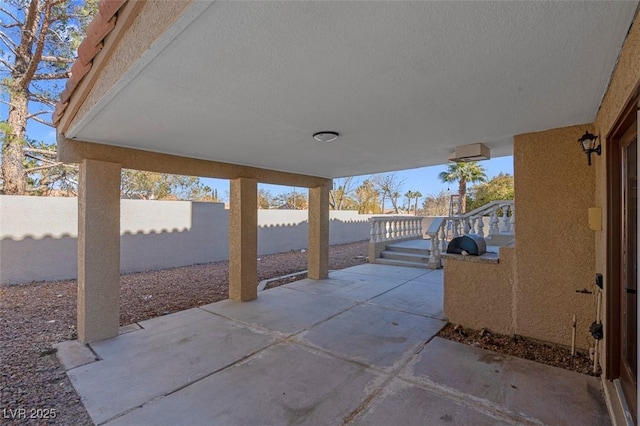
(424, 179)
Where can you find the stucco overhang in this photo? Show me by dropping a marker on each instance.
(403, 83)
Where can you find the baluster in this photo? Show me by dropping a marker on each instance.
(505, 218)
(443, 236)
(403, 225)
(466, 226)
(481, 226)
(394, 229)
(493, 222)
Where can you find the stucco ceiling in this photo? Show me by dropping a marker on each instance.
(402, 82)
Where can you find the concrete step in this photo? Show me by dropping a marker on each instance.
(406, 247)
(394, 262)
(406, 257)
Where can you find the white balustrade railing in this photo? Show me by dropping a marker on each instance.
(502, 221)
(390, 228)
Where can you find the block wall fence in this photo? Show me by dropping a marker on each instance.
(38, 235)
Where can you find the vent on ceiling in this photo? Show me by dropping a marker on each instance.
(474, 152)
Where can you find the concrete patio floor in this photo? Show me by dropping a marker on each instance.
(357, 348)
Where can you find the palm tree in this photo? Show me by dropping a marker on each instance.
(409, 196)
(394, 201)
(463, 173)
(417, 195)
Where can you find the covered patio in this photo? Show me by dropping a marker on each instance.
(300, 93)
(355, 348)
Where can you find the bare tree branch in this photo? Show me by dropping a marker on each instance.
(35, 114)
(51, 76)
(6, 40)
(30, 24)
(42, 99)
(35, 59)
(10, 15)
(41, 121)
(57, 59)
(7, 26)
(44, 160)
(47, 166)
(58, 36)
(6, 64)
(39, 151)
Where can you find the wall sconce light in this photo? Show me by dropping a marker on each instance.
(588, 143)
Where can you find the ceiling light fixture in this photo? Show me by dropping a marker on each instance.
(326, 136)
(588, 144)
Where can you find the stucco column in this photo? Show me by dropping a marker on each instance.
(318, 245)
(243, 239)
(98, 250)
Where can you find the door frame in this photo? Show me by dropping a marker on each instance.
(614, 170)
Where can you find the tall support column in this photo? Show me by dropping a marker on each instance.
(243, 239)
(98, 250)
(318, 245)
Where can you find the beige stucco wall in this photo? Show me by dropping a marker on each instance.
(479, 295)
(624, 82)
(554, 245)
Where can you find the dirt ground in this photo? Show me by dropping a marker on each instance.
(520, 347)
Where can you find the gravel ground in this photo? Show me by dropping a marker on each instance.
(35, 316)
(521, 347)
